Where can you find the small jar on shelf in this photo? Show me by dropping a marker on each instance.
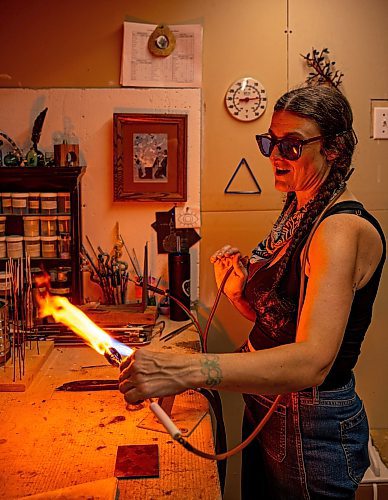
(63, 200)
(3, 248)
(64, 222)
(31, 225)
(14, 246)
(32, 246)
(49, 246)
(48, 225)
(33, 203)
(6, 203)
(19, 203)
(48, 203)
(64, 245)
(3, 218)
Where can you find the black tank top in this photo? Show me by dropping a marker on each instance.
(271, 329)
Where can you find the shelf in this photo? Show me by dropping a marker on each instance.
(45, 180)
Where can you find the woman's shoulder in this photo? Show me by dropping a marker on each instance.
(350, 233)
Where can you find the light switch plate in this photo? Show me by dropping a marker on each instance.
(380, 123)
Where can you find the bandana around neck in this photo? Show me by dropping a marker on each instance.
(284, 229)
(282, 232)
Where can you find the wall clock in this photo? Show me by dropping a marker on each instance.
(246, 99)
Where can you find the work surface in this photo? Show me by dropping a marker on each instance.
(53, 440)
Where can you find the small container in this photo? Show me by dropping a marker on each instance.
(3, 218)
(32, 246)
(33, 203)
(63, 224)
(31, 225)
(3, 248)
(48, 203)
(5, 283)
(53, 275)
(48, 225)
(64, 274)
(49, 246)
(14, 246)
(6, 203)
(60, 291)
(63, 203)
(64, 245)
(19, 203)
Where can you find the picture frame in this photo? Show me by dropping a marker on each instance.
(149, 157)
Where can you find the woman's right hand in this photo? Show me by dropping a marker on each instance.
(222, 260)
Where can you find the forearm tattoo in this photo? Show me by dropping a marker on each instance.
(211, 369)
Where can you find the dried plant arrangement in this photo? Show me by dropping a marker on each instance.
(324, 71)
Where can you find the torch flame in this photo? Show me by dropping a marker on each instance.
(64, 312)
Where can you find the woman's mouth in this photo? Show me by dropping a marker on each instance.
(282, 171)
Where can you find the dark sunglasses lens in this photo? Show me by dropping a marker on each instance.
(290, 149)
(265, 144)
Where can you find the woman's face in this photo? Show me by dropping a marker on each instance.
(305, 175)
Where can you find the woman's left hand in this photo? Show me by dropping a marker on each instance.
(148, 374)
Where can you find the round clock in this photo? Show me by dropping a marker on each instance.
(246, 99)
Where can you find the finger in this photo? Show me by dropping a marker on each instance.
(133, 397)
(125, 386)
(238, 266)
(126, 362)
(220, 253)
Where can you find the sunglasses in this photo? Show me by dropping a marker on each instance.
(289, 147)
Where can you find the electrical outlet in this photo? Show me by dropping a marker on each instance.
(380, 123)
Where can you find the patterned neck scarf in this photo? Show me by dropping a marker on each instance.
(282, 232)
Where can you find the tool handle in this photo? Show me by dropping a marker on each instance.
(165, 420)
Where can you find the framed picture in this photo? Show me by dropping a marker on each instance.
(149, 157)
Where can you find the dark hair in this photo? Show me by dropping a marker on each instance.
(331, 112)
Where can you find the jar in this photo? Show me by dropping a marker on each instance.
(14, 246)
(57, 290)
(48, 225)
(48, 203)
(64, 245)
(5, 283)
(64, 274)
(49, 246)
(3, 218)
(3, 248)
(32, 246)
(63, 203)
(33, 203)
(6, 203)
(19, 203)
(63, 223)
(31, 225)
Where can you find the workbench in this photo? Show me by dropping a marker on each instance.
(67, 441)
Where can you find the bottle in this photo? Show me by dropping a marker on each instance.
(32, 157)
(179, 283)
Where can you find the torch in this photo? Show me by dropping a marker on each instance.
(114, 351)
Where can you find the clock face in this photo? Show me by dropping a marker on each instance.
(246, 99)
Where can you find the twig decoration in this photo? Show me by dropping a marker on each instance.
(324, 71)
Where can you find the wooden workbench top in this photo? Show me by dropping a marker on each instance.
(52, 440)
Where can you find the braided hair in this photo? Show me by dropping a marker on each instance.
(331, 111)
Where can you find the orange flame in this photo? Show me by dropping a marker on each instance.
(64, 312)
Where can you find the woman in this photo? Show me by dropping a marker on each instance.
(315, 445)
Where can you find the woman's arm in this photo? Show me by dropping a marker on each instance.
(335, 269)
(223, 260)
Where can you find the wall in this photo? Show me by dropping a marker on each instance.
(79, 46)
(85, 116)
